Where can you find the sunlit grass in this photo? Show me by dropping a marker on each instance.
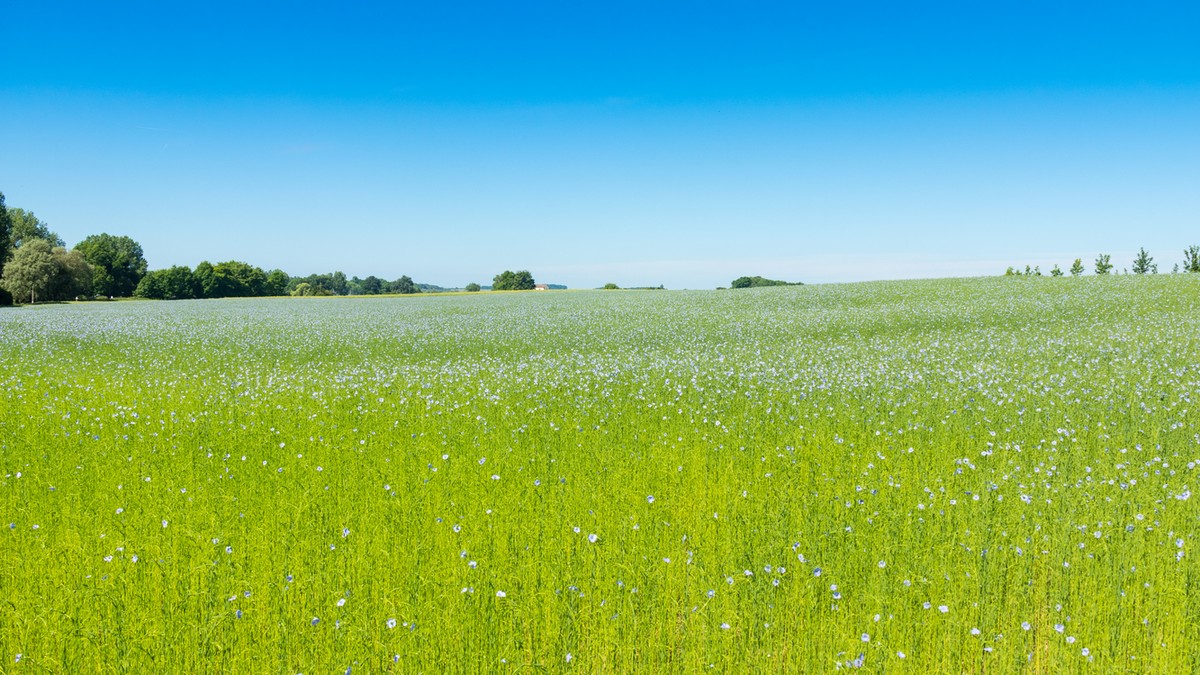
(306, 485)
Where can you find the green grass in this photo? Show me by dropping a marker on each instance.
(1019, 451)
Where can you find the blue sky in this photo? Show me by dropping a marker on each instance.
(679, 144)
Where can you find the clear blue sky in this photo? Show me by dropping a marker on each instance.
(678, 144)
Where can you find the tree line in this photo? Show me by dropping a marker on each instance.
(1143, 263)
(36, 266)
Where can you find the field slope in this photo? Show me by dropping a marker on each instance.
(927, 476)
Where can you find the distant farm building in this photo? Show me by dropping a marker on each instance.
(541, 287)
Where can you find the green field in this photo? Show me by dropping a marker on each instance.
(926, 476)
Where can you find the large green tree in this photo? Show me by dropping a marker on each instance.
(117, 263)
(404, 285)
(205, 282)
(72, 278)
(513, 281)
(175, 283)
(27, 227)
(5, 231)
(277, 282)
(31, 271)
(236, 279)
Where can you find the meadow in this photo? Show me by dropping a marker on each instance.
(920, 476)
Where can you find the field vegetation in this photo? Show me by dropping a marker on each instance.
(924, 476)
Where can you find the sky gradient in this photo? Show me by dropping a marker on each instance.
(683, 145)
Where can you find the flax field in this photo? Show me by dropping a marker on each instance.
(977, 475)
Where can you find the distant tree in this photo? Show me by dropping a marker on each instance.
(305, 289)
(236, 279)
(1077, 267)
(31, 271)
(5, 232)
(1191, 257)
(26, 227)
(1144, 264)
(611, 286)
(277, 283)
(1056, 272)
(1103, 266)
(1175, 269)
(503, 281)
(338, 284)
(72, 279)
(1010, 272)
(472, 287)
(404, 285)
(758, 282)
(117, 263)
(513, 281)
(175, 283)
(206, 284)
(372, 285)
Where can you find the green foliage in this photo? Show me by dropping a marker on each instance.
(73, 278)
(1056, 272)
(611, 286)
(372, 285)
(277, 283)
(5, 233)
(26, 227)
(472, 287)
(1103, 264)
(757, 282)
(305, 289)
(404, 286)
(237, 279)
(1191, 259)
(175, 283)
(513, 281)
(330, 284)
(117, 263)
(31, 272)
(1144, 264)
(1077, 267)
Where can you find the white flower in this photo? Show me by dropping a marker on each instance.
(501, 594)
